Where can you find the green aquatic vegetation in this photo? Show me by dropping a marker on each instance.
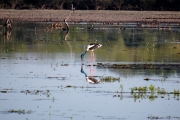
(121, 87)
(110, 79)
(165, 117)
(161, 91)
(152, 88)
(142, 89)
(151, 92)
(176, 91)
(133, 89)
(139, 96)
(152, 97)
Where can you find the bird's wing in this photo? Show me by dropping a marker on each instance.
(94, 46)
(93, 80)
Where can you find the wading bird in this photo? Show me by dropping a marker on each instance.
(91, 47)
(90, 79)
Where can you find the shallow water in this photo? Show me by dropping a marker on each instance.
(41, 74)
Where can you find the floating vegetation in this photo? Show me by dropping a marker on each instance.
(176, 94)
(110, 79)
(176, 91)
(69, 86)
(162, 79)
(157, 117)
(18, 111)
(140, 66)
(152, 88)
(147, 79)
(3, 91)
(161, 91)
(151, 92)
(64, 64)
(121, 87)
(140, 89)
(59, 78)
(7, 90)
(37, 92)
(152, 97)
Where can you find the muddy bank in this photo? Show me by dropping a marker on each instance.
(140, 66)
(90, 16)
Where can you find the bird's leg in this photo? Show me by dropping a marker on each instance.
(93, 54)
(91, 71)
(91, 57)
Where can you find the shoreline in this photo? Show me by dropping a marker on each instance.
(110, 16)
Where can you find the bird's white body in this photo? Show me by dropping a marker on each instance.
(92, 80)
(93, 46)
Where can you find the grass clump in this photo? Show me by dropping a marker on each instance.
(152, 92)
(161, 91)
(142, 89)
(152, 88)
(176, 91)
(110, 79)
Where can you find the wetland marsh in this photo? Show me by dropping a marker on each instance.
(41, 73)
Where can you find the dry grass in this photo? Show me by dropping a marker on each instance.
(90, 15)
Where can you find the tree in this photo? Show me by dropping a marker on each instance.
(13, 3)
(56, 4)
(93, 4)
(118, 4)
(100, 4)
(83, 4)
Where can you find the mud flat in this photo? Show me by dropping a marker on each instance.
(91, 16)
(140, 66)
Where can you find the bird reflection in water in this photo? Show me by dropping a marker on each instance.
(90, 79)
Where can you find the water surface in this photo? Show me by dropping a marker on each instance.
(41, 74)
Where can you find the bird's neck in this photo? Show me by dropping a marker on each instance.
(84, 54)
(82, 71)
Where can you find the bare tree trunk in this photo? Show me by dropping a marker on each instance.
(43, 6)
(87, 7)
(98, 7)
(61, 5)
(119, 7)
(13, 3)
(1, 6)
(119, 4)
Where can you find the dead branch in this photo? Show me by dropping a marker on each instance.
(8, 24)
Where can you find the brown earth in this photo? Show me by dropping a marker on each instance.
(90, 16)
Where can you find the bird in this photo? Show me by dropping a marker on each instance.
(90, 79)
(91, 47)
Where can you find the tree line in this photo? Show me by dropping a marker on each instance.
(150, 5)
